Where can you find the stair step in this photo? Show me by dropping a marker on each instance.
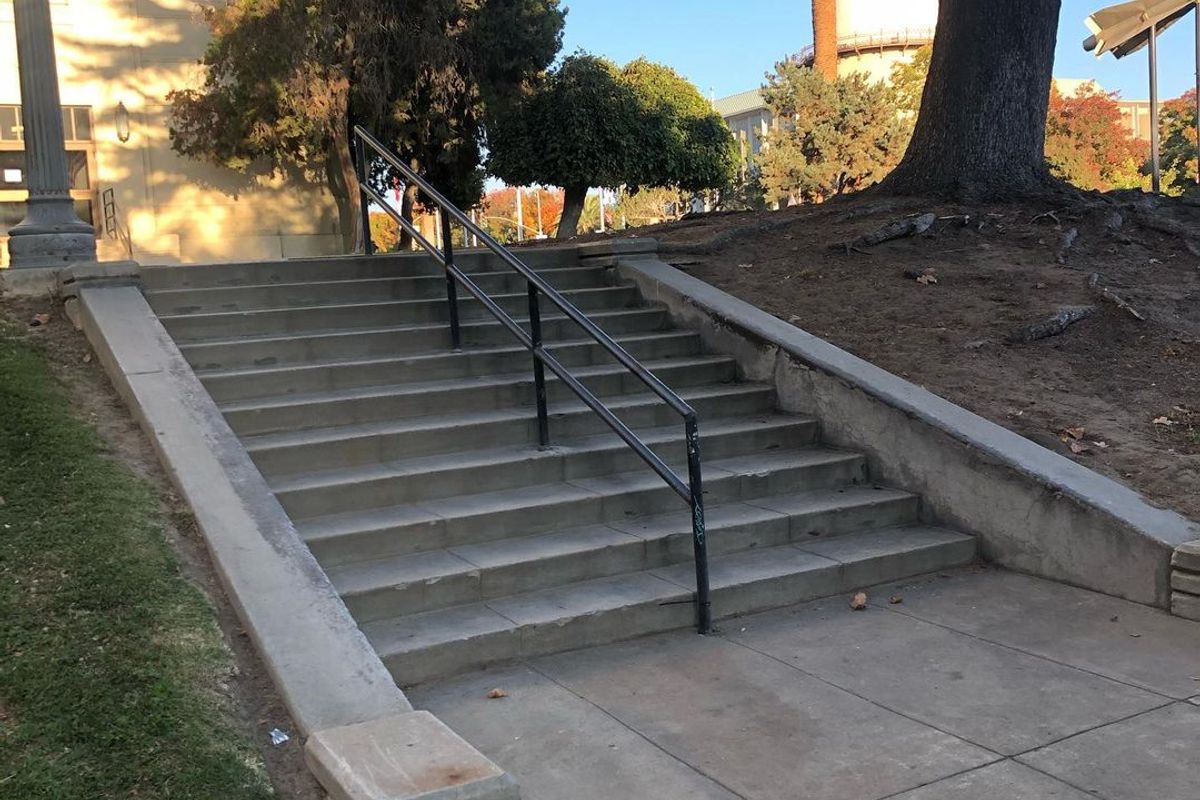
(418, 582)
(434, 644)
(193, 327)
(316, 293)
(375, 483)
(388, 440)
(384, 265)
(526, 510)
(413, 474)
(228, 352)
(408, 400)
(246, 383)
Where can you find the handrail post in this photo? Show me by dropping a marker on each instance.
(699, 536)
(539, 369)
(451, 285)
(364, 205)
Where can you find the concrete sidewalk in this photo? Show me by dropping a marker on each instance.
(982, 685)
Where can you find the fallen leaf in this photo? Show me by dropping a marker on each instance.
(926, 280)
(1079, 447)
(496, 694)
(87, 358)
(896, 600)
(1165, 421)
(1072, 433)
(745, 266)
(39, 320)
(859, 601)
(1101, 445)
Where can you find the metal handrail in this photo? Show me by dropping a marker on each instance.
(692, 490)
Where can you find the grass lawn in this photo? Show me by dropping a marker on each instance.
(111, 662)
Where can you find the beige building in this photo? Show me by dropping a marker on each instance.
(117, 60)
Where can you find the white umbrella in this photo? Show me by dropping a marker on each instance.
(1125, 27)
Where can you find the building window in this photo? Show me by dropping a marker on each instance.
(81, 164)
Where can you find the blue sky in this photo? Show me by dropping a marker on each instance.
(726, 46)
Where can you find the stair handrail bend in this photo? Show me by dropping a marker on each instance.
(692, 490)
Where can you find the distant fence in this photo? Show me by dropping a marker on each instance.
(869, 42)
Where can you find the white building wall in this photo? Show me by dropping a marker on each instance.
(868, 17)
(176, 209)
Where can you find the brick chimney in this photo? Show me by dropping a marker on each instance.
(825, 56)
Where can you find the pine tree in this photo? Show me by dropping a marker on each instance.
(830, 136)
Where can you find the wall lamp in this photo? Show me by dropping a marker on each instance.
(122, 123)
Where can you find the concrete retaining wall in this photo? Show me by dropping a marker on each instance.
(364, 741)
(1033, 510)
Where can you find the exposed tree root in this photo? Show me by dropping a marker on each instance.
(913, 226)
(1104, 293)
(1162, 224)
(715, 243)
(866, 210)
(1065, 242)
(1051, 326)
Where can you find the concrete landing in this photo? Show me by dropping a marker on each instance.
(981, 684)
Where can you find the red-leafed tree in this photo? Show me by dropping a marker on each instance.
(1088, 143)
(499, 212)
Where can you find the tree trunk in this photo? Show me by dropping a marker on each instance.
(825, 38)
(342, 180)
(573, 199)
(408, 203)
(981, 131)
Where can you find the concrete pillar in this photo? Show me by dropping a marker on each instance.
(51, 235)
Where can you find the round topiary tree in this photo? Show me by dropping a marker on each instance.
(591, 125)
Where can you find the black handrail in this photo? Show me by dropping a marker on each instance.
(692, 491)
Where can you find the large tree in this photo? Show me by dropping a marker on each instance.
(592, 125)
(1178, 127)
(1088, 144)
(286, 80)
(692, 145)
(982, 127)
(831, 137)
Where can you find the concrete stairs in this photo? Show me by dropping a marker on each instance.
(413, 473)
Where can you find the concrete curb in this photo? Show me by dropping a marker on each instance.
(412, 755)
(29, 282)
(1033, 510)
(1185, 581)
(326, 671)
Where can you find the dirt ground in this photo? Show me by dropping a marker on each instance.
(1118, 394)
(249, 686)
